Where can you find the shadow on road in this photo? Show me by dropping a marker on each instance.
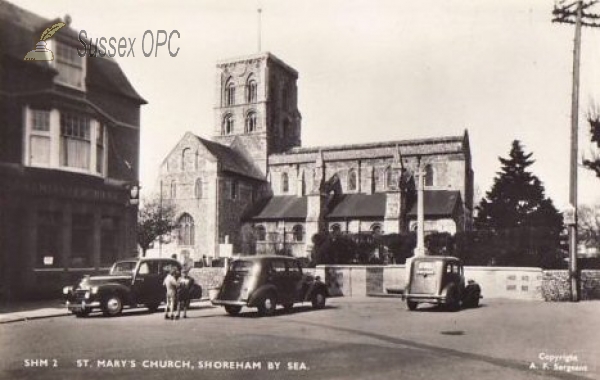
(431, 308)
(252, 313)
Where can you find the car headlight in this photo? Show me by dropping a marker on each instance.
(67, 289)
(94, 289)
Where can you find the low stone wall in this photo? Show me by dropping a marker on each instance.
(495, 282)
(556, 285)
(507, 282)
(356, 280)
(209, 278)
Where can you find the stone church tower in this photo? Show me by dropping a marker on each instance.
(256, 111)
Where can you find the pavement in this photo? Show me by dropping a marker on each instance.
(28, 310)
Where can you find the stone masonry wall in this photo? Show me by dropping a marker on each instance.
(556, 286)
(208, 278)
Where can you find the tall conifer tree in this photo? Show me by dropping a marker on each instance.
(517, 198)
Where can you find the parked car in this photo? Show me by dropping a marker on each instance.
(440, 280)
(267, 281)
(132, 283)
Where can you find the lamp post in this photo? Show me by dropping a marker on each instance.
(420, 250)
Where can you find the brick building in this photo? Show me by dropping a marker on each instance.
(257, 188)
(69, 148)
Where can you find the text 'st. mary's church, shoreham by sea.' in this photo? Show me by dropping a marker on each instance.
(254, 189)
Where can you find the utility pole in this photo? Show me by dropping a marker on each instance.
(160, 218)
(575, 13)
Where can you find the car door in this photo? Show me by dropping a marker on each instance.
(295, 280)
(279, 278)
(147, 285)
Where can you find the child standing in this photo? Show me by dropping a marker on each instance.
(184, 293)
(170, 283)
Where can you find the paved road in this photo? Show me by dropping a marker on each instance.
(364, 338)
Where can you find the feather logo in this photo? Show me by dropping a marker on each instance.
(49, 32)
(41, 52)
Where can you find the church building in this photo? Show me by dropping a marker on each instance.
(255, 189)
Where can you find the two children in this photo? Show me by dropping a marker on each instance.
(179, 289)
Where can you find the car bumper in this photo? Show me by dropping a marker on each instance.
(83, 305)
(218, 302)
(424, 298)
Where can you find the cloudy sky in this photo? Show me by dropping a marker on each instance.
(369, 71)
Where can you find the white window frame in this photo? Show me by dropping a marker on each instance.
(54, 135)
(53, 46)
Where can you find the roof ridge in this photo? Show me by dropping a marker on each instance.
(377, 144)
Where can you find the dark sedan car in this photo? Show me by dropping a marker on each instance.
(136, 282)
(440, 280)
(267, 281)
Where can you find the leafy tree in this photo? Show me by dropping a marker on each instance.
(400, 246)
(594, 120)
(154, 221)
(361, 248)
(588, 225)
(517, 197)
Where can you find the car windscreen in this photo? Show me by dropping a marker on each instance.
(123, 267)
(241, 266)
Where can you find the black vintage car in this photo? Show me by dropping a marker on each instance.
(136, 282)
(440, 280)
(267, 281)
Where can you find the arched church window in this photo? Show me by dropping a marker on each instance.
(376, 229)
(251, 91)
(186, 230)
(388, 178)
(285, 183)
(352, 180)
(187, 159)
(428, 175)
(302, 184)
(228, 122)
(230, 93)
(251, 122)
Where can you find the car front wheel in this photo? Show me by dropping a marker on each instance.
(112, 305)
(267, 306)
(412, 305)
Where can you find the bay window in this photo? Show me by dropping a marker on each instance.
(39, 139)
(74, 141)
(64, 140)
